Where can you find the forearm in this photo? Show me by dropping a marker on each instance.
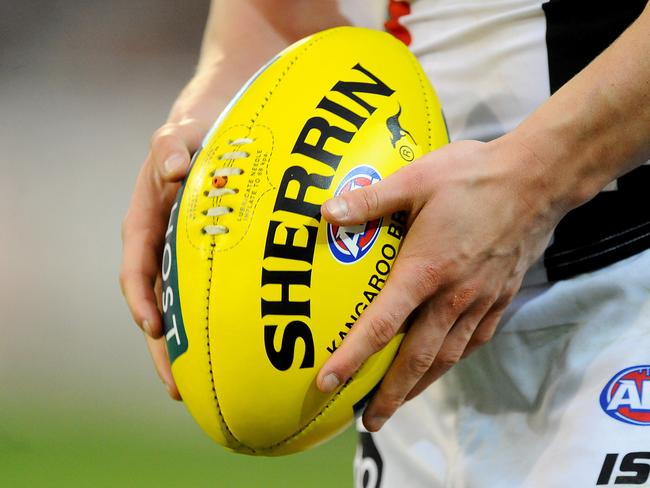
(597, 126)
(240, 36)
(249, 32)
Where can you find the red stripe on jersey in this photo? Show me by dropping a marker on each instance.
(397, 9)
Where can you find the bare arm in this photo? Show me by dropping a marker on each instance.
(240, 36)
(598, 122)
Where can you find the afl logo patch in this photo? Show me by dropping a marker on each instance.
(349, 244)
(626, 397)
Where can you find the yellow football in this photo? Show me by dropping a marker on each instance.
(258, 289)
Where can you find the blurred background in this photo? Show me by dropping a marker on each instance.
(83, 84)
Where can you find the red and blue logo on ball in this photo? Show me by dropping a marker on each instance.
(348, 244)
(626, 397)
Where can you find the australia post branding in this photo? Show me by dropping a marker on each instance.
(626, 397)
(350, 243)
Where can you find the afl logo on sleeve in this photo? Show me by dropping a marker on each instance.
(349, 244)
(626, 397)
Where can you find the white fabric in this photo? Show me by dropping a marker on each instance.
(364, 13)
(486, 59)
(524, 410)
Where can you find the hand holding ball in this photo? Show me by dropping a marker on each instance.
(258, 290)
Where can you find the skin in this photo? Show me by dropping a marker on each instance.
(479, 213)
(229, 56)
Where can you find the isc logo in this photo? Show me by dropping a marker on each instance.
(626, 397)
(349, 244)
(634, 469)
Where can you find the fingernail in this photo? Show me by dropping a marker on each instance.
(173, 163)
(146, 326)
(330, 383)
(337, 207)
(376, 423)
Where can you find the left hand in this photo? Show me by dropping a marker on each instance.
(479, 215)
(143, 228)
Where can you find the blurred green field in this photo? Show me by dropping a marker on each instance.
(93, 447)
(82, 87)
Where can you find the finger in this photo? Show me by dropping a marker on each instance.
(143, 231)
(172, 146)
(409, 284)
(373, 330)
(416, 354)
(137, 289)
(371, 202)
(453, 345)
(157, 290)
(488, 325)
(140, 266)
(158, 350)
(486, 329)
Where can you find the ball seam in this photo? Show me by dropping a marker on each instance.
(230, 436)
(428, 102)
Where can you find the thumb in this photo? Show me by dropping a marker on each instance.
(371, 202)
(172, 146)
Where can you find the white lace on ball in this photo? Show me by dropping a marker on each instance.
(218, 192)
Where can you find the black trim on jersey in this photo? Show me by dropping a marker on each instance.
(615, 224)
(370, 454)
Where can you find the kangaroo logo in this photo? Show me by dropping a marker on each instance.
(396, 130)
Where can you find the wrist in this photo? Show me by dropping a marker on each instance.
(560, 161)
(205, 95)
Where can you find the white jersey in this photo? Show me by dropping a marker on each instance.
(561, 396)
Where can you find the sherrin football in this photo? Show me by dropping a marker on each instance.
(258, 289)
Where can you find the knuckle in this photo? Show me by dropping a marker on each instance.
(484, 297)
(460, 299)
(482, 336)
(125, 277)
(488, 327)
(157, 134)
(379, 331)
(419, 363)
(447, 360)
(163, 136)
(427, 277)
(346, 367)
(411, 177)
(388, 404)
(369, 199)
(464, 329)
(165, 144)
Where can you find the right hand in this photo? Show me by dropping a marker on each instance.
(143, 228)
